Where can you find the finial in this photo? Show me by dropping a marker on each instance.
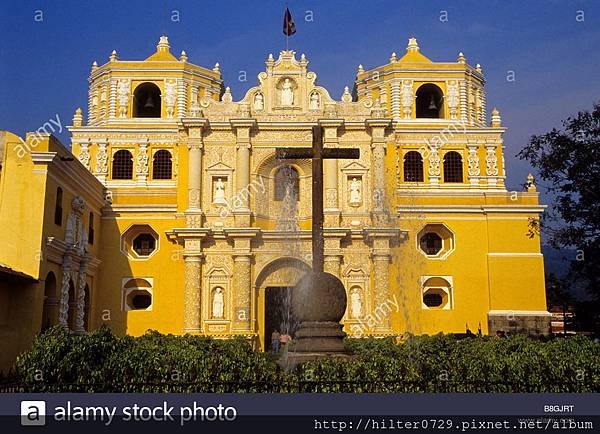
(94, 65)
(346, 97)
(412, 46)
(227, 95)
(530, 184)
(302, 58)
(478, 68)
(113, 56)
(461, 58)
(183, 56)
(360, 69)
(496, 120)
(217, 67)
(393, 57)
(163, 44)
(270, 59)
(78, 118)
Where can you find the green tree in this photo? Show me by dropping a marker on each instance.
(568, 161)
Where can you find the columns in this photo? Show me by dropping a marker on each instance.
(463, 101)
(192, 293)
(473, 162)
(377, 127)
(101, 168)
(241, 211)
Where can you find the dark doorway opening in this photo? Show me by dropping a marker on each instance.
(278, 313)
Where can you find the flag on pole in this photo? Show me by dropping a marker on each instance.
(289, 27)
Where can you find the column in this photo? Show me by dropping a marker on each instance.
(181, 98)
(141, 163)
(383, 299)
(80, 299)
(194, 129)
(242, 288)
(377, 127)
(101, 167)
(331, 209)
(395, 98)
(63, 308)
(192, 293)
(112, 99)
(241, 201)
(463, 101)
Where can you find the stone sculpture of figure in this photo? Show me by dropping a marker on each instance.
(219, 191)
(355, 191)
(314, 101)
(355, 303)
(287, 93)
(259, 101)
(218, 303)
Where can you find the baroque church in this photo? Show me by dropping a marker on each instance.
(171, 212)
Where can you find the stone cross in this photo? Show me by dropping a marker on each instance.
(317, 153)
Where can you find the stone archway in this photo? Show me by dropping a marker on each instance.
(272, 291)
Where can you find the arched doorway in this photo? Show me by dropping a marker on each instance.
(273, 291)
(50, 309)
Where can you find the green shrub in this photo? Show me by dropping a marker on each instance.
(102, 362)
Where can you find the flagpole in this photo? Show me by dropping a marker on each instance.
(286, 33)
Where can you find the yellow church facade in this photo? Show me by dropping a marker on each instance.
(176, 215)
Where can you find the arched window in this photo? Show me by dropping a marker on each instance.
(162, 165)
(287, 182)
(122, 167)
(453, 169)
(430, 102)
(58, 206)
(413, 167)
(49, 312)
(146, 101)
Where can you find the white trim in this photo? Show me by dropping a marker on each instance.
(528, 209)
(519, 313)
(509, 254)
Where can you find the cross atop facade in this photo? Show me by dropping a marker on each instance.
(317, 153)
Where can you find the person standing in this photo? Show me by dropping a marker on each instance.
(275, 336)
(283, 340)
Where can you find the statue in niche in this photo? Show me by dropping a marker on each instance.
(219, 196)
(355, 191)
(218, 303)
(314, 101)
(355, 303)
(287, 93)
(259, 101)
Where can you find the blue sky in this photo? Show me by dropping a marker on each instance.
(44, 65)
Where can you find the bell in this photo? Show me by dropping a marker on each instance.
(432, 105)
(149, 103)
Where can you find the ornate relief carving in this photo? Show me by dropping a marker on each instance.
(434, 162)
(453, 98)
(170, 97)
(192, 291)
(141, 166)
(123, 96)
(84, 155)
(101, 160)
(80, 310)
(407, 98)
(491, 162)
(473, 161)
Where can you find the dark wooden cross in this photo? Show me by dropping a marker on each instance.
(317, 153)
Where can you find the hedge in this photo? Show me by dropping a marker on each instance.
(102, 362)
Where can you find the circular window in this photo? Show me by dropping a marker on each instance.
(433, 299)
(144, 244)
(431, 243)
